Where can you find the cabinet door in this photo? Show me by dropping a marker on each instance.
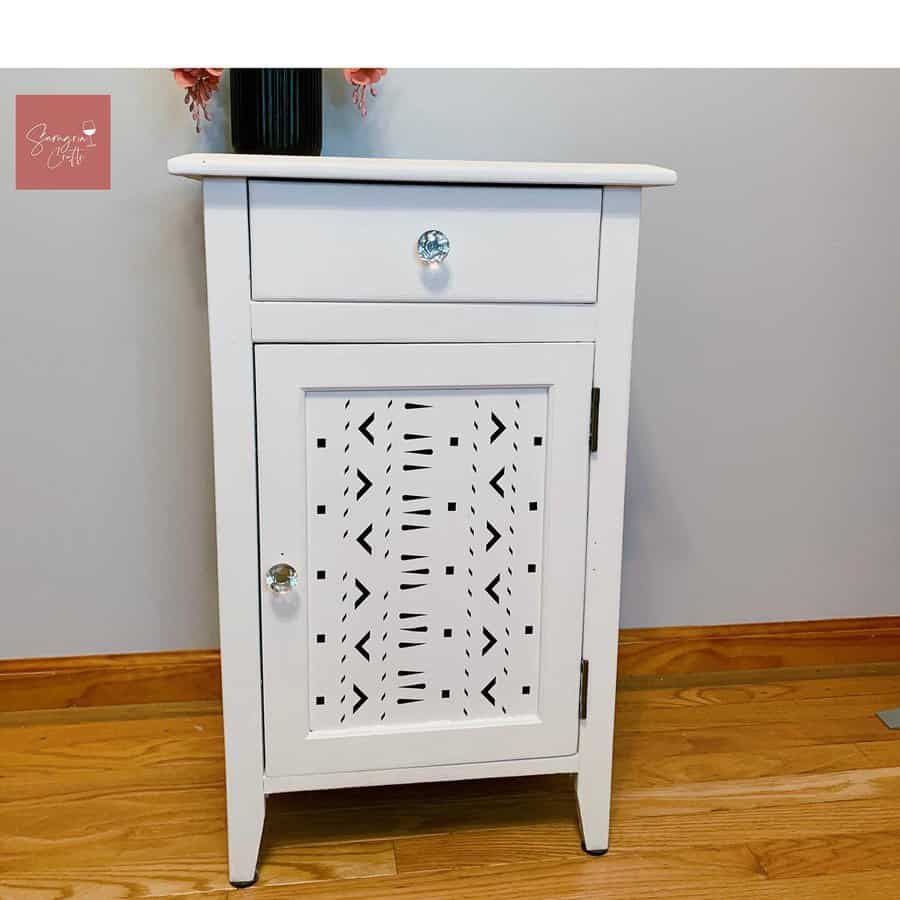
(432, 499)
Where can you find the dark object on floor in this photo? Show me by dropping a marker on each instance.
(594, 852)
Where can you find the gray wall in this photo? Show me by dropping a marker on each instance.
(763, 470)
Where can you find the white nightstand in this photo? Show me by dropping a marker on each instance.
(420, 377)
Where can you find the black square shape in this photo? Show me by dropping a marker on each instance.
(454, 442)
(532, 505)
(532, 567)
(448, 570)
(526, 689)
(320, 638)
(320, 574)
(320, 442)
(448, 632)
(320, 509)
(538, 440)
(445, 693)
(451, 506)
(320, 701)
(529, 629)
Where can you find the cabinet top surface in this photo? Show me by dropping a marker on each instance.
(337, 168)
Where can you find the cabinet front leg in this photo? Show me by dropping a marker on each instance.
(593, 813)
(226, 225)
(245, 825)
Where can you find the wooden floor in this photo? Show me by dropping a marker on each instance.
(771, 787)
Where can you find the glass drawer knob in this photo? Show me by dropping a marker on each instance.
(433, 246)
(281, 578)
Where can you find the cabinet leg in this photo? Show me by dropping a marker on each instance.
(245, 828)
(593, 813)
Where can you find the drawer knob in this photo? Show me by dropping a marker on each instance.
(433, 246)
(281, 578)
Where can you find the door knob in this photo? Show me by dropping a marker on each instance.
(281, 578)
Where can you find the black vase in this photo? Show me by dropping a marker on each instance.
(276, 111)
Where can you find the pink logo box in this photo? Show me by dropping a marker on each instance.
(62, 142)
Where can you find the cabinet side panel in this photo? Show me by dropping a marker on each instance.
(228, 284)
(606, 500)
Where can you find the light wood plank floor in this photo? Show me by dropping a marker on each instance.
(770, 788)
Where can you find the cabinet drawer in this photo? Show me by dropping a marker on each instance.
(350, 241)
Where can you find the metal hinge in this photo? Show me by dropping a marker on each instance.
(582, 695)
(595, 417)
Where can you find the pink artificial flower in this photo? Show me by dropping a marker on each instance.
(199, 85)
(362, 80)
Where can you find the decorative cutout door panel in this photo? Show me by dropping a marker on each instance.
(432, 499)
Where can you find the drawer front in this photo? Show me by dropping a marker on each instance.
(333, 241)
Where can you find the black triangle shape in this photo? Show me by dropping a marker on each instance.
(500, 427)
(491, 640)
(495, 481)
(485, 692)
(361, 539)
(363, 593)
(366, 483)
(364, 428)
(490, 589)
(363, 697)
(360, 645)
(495, 536)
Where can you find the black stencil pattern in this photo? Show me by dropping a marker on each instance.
(417, 538)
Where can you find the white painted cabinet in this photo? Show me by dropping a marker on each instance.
(420, 399)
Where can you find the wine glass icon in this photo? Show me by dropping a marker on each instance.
(89, 128)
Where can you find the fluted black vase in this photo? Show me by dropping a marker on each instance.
(276, 111)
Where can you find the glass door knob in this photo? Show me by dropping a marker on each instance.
(281, 578)
(433, 246)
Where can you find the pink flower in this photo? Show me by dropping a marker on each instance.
(199, 85)
(364, 76)
(362, 80)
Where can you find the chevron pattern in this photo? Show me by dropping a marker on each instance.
(425, 529)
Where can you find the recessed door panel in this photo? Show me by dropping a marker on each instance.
(432, 501)
(425, 536)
